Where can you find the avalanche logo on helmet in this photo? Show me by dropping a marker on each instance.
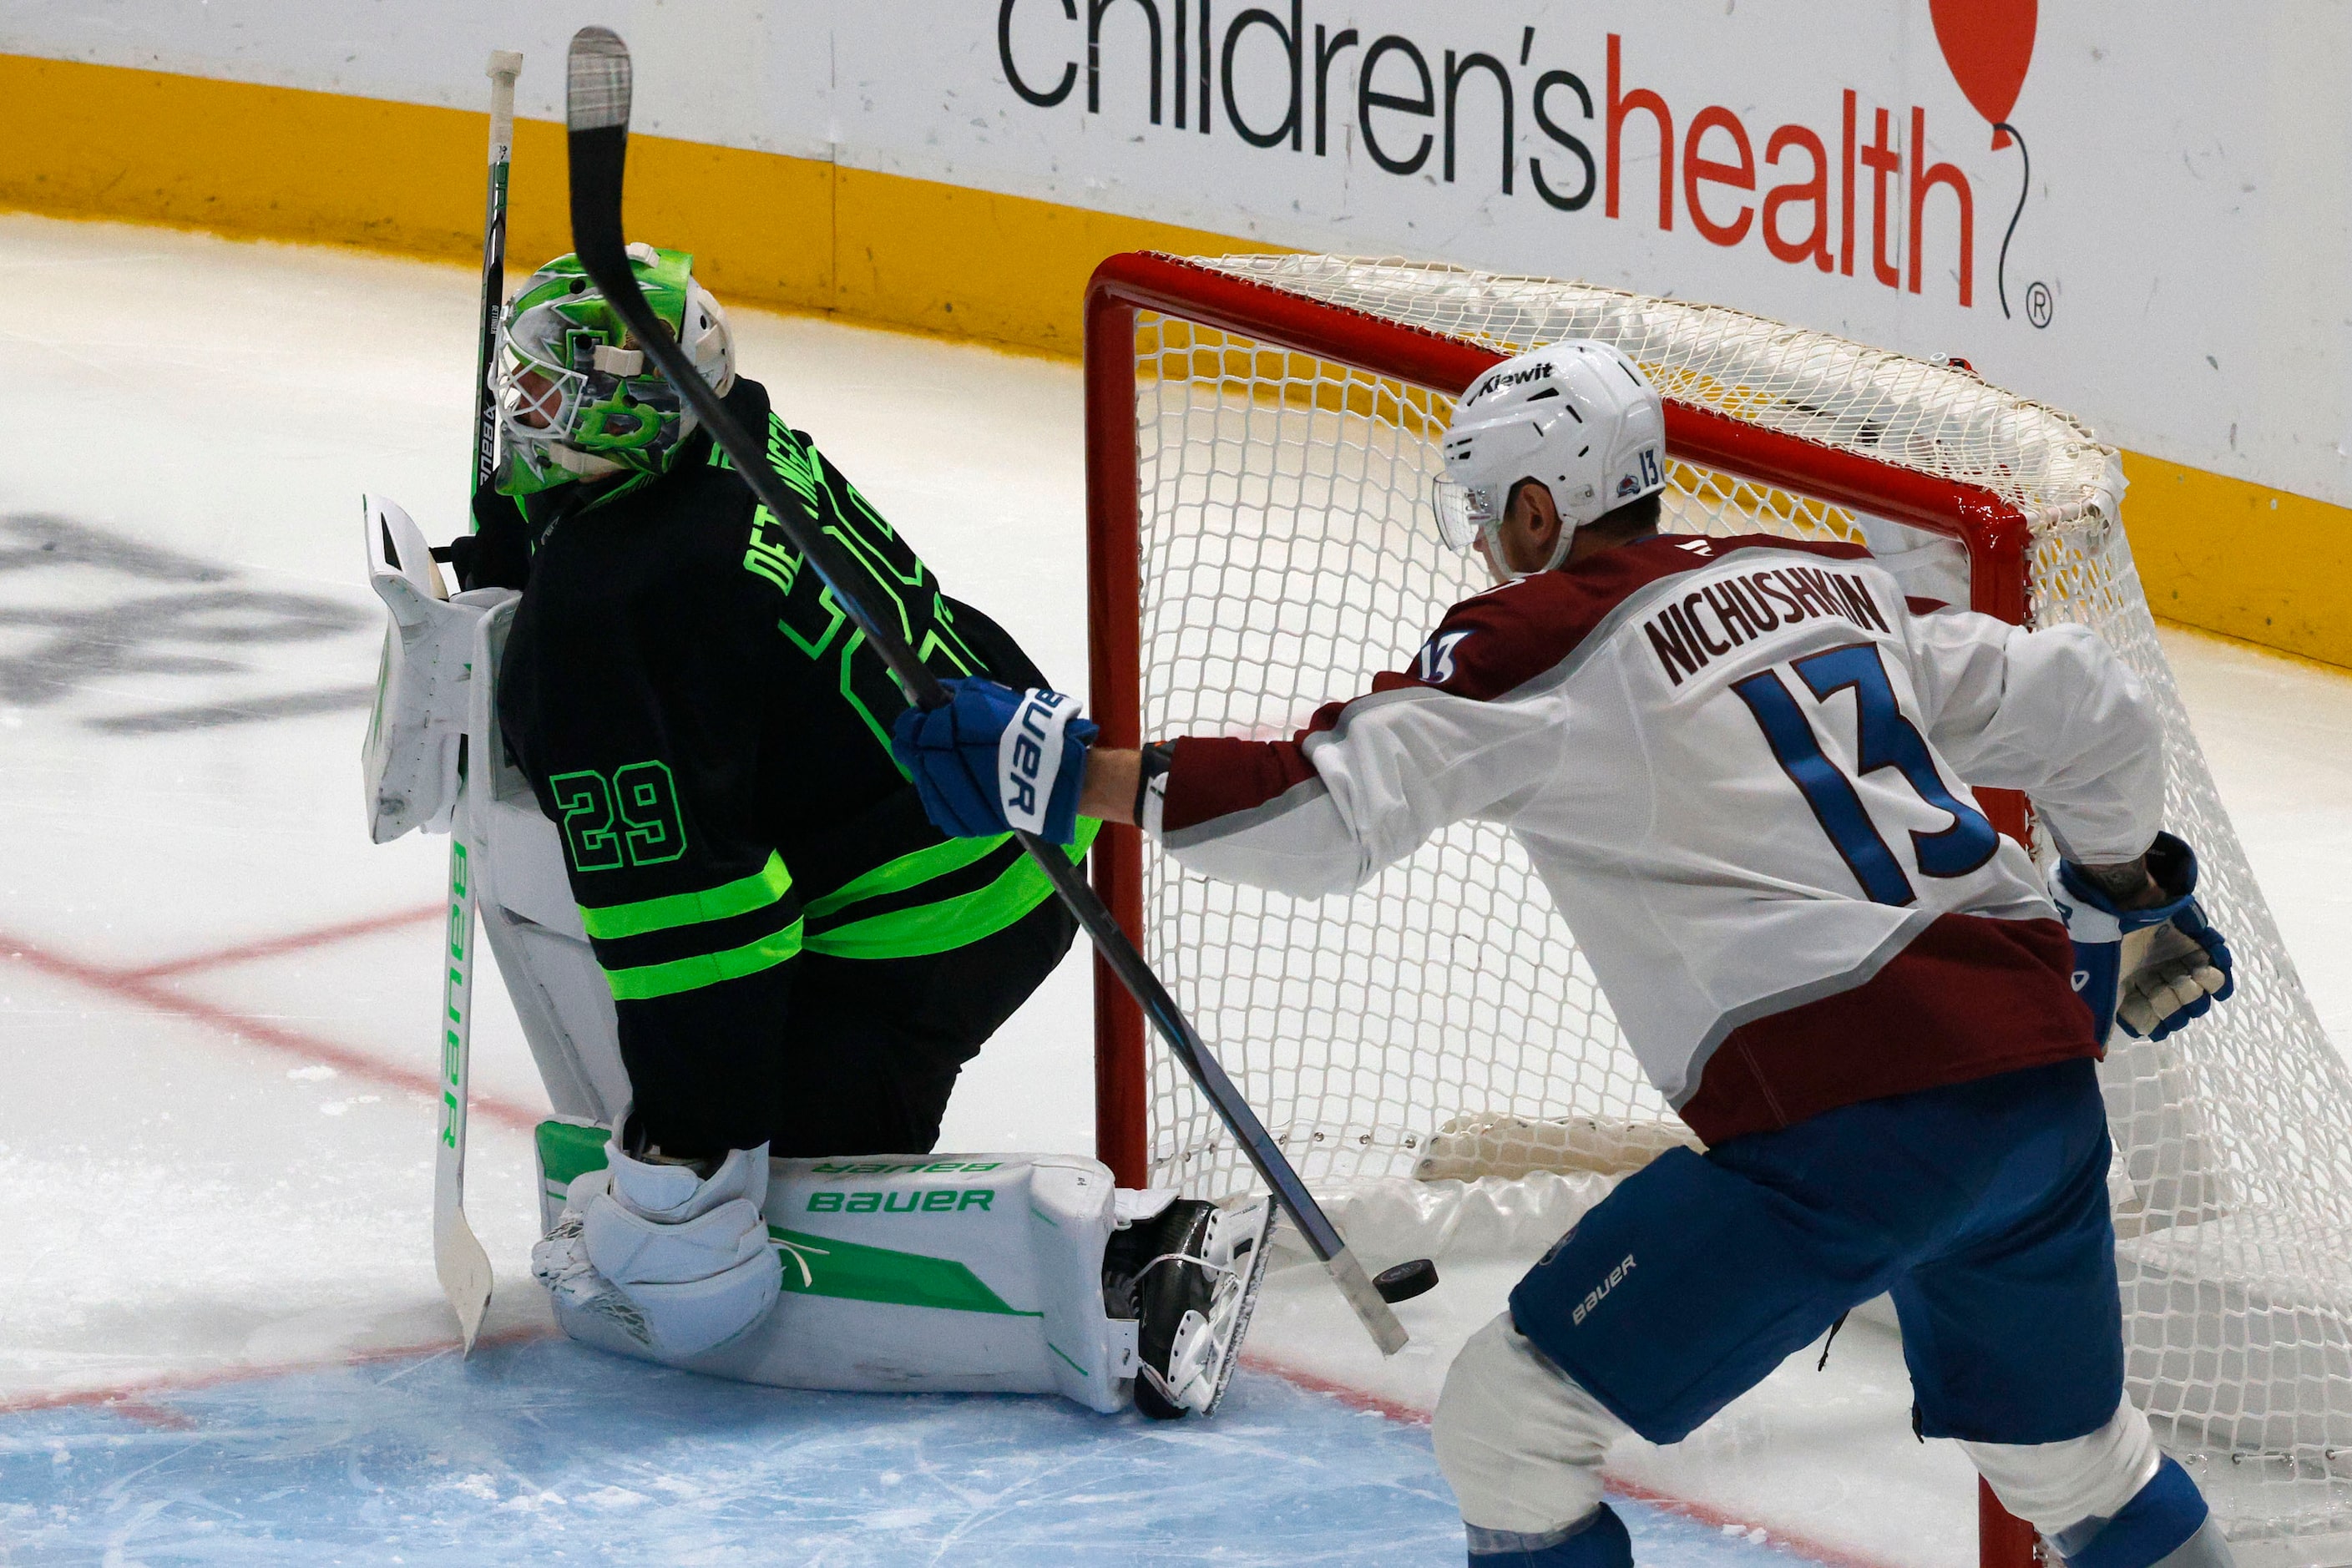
(576, 399)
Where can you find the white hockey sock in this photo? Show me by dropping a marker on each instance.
(1520, 1444)
(2055, 1485)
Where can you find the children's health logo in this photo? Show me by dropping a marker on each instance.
(1855, 195)
(1988, 44)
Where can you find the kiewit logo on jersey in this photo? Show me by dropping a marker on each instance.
(1746, 606)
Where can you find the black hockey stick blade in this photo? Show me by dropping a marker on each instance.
(597, 117)
(597, 112)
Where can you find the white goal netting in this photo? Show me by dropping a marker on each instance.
(1440, 1022)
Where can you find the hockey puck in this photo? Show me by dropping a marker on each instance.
(1404, 1282)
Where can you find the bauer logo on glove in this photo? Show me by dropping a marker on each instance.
(992, 759)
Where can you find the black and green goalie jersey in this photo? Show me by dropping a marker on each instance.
(710, 732)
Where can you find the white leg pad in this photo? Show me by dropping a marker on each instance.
(946, 1273)
(2054, 1486)
(1520, 1444)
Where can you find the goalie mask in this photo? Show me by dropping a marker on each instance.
(576, 398)
(1578, 417)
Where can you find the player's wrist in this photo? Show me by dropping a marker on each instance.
(2127, 884)
(2163, 875)
(1109, 789)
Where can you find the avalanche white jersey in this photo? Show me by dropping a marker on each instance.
(1743, 769)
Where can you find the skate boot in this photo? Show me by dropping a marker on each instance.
(1189, 1277)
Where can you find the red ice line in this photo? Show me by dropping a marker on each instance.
(133, 1399)
(142, 985)
(272, 947)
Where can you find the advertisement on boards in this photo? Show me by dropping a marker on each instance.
(2139, 210)
(2128, 211)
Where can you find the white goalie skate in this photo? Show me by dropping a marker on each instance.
(1194, 1282)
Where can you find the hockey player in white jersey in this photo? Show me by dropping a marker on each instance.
(1743, 768)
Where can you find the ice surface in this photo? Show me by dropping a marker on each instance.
(549, 1452)
(216, 1006)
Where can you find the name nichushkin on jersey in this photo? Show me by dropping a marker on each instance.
(1749, 606)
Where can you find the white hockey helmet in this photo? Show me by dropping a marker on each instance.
(1578, 417)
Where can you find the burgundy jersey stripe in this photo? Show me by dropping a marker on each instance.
(1969, 997)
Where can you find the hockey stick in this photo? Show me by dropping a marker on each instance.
(458, 1254)
(598, 109)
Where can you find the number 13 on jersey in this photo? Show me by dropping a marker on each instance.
(1884, 738)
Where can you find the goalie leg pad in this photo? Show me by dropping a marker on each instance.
(944, 1273)
(953, 1273)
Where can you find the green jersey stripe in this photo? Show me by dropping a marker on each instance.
(741, 897)
(951, 922)
(651, 980)
(906, 871)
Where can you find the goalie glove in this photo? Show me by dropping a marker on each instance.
(2150, 970)
(992, 759)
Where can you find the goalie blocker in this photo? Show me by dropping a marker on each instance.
(946, 1273)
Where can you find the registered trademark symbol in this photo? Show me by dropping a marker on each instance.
(2038, 304)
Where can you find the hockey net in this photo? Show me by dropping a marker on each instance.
(1261, 432)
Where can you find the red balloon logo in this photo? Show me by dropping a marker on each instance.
(1987, 43)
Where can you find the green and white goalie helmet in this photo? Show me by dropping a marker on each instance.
(1578, 418)
(576, 397)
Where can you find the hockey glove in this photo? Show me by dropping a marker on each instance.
(992, 759)
(497, 554)
(2151, 970)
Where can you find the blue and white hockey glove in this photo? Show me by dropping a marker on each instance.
(2150, 970)
(994, 759)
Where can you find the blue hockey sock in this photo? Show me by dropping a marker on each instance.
(2159, 1521)
(1599, 1543)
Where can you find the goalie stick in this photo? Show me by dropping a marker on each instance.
(457, 1255)
(597, 112)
